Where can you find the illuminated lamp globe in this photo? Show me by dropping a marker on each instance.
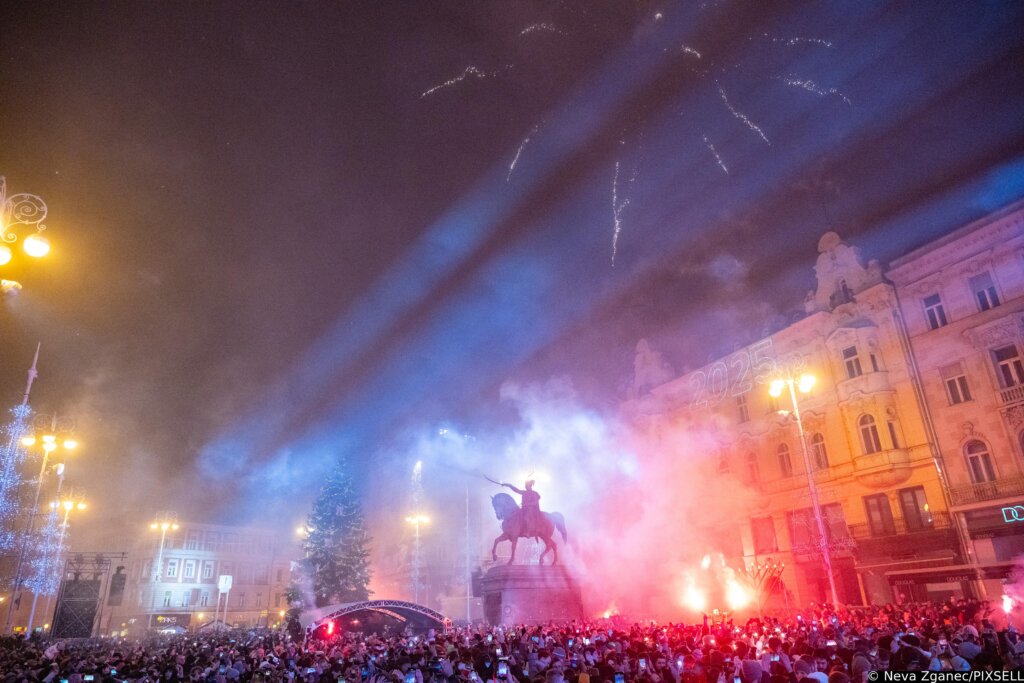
(153, 526)
(28, 441)
(69, 505)
(81, 506)
(36, 246)
(5, 255)
(48, 447)
(49, 438)
(806, 383)
(776, 387)
(70, 444)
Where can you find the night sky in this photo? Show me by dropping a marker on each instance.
(271, 248)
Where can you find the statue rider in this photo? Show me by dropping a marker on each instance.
(532, 520)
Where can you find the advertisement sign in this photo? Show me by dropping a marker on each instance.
(224, 583)
(1013, 513)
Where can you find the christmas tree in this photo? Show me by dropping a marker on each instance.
(337, 564)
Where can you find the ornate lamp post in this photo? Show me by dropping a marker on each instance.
(805, 383)
(56, 433)
(165, 521)
(67, 504)
(18, 211)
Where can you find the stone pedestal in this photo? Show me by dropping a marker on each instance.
(520, 593)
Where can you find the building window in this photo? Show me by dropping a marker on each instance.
(1008, 366)
(742, 409)
(891, 424)
(167, 598)
(241, 601)
(172, 568)
(192, 541)
(852, 361)
(212, 541)
(935, 312)
(874, 362)
(979, 462)
(879, 514)
(818, 452)
(186, 598)
(764, 535)
(957, 390)
(190, 569)
(226, 567)
(259, 600)
(773, 404)
(262, 574)
(915, 509)
(984, 291)
(280, 574)
(785, 463)
(208, 569)
(869, 435)
(753, 473)
(204, 598)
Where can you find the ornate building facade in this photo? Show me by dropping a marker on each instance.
(962, 298)
(870, 445)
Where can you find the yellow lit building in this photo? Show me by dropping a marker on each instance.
(874, 464)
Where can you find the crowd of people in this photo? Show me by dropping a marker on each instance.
(820, 644)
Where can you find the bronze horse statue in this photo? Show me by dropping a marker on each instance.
(511, 515)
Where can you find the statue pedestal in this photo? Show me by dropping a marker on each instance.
(527, 594)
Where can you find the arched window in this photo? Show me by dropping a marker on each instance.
(753, 473)
(723, 462)
(869, 435)
(818, 452)
(979, 462)
(785, 464)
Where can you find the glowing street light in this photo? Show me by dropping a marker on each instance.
(73, 502)
(804, 383)
(49, 426)
(18, 211)
(165, 521)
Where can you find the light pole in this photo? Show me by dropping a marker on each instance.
(805, 383)
(17, 211)
(67, 505)
(417, 561)
(50, 441)
(165, 521)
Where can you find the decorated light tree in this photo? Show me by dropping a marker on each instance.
(11, 457)
(336, 564)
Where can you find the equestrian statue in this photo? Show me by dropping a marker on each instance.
(526, 522)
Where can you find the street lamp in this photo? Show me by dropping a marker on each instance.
(55, 432)
(416, 520)
(804, 383)
(18, 211)
(73, 502)
(165, 521)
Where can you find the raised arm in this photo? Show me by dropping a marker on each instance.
(514, 489)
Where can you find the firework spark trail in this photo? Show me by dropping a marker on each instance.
(791, 42)
(467, 72)
(519, 152)
(813, 87)
(714, 151)
(743, 117)
(533, 28)
(691, 51)
(617, 209)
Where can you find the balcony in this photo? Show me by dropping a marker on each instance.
(868, 383)
(1004, 487)
(1012, 395)
(899, 541)
(883, 469)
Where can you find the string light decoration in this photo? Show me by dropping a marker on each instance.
(48, 548)
(12, 456)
